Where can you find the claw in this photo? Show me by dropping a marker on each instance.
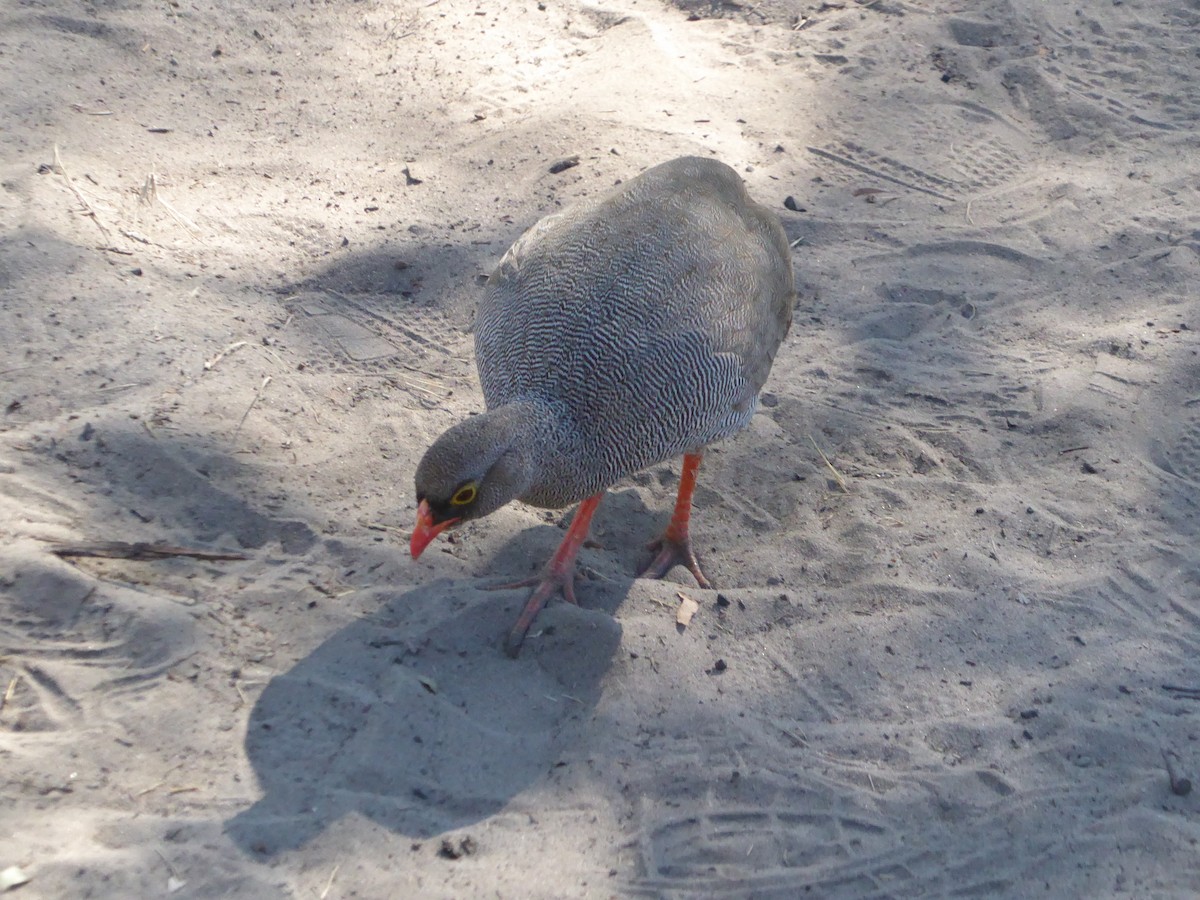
(673, 551)
(558, 577)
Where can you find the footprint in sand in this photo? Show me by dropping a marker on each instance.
(71, 646)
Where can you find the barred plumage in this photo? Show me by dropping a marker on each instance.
(614, 336)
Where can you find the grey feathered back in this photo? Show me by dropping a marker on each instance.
(643, 324)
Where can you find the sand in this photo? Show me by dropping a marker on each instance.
(235, 307)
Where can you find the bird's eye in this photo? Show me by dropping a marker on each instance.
(464, 495)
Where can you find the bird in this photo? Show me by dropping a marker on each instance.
(611, 337)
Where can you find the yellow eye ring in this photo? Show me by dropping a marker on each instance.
(464, 495)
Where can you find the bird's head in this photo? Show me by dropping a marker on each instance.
(472, 470)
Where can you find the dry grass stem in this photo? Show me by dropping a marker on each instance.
(137, 237)
(329, 883)
(836, 474)
(60, 169)
(257, 396)
(149, 195)
(8, 694)
(208, 366)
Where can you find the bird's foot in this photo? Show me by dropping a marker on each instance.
(556, 579)
(673, 550)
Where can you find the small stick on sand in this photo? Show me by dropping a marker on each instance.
(275, 356)
(1180, 786)
(141, 551)
(136, 236)
(149, 195)
(154, 787)
(421, 384)
(8, 694)
(121, 387)
(1187, 693)
(380, 526)
(262, 387)
(62, 170)
(794, 738)
(836, 474)
(211, 364)
(329, 883)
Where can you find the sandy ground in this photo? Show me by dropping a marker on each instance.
(236, 309)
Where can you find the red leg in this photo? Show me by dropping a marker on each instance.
(559, 574)
(675, 546)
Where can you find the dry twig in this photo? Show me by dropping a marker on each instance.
(329, 883)
(140, 550)
(149, 195)
(60, 169)
(8, 694)
(1180, 786)
(258, 395)
(208, 366)
(836, 474)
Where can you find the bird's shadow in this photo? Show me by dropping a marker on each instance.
(416, 719)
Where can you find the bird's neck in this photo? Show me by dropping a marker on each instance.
(536, 433)
(535, 421)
